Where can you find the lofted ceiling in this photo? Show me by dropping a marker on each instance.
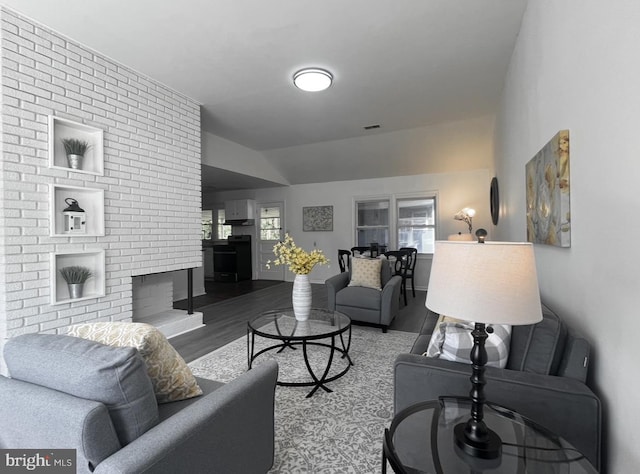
(398, 64)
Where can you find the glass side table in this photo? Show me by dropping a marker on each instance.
(421, 440)
(281, 325)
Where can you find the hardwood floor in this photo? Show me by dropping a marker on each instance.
(217, 291)
(226, 321)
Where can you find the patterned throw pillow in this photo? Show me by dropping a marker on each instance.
(366, 272)
(452, 340)
(437, 338)
(171, 377)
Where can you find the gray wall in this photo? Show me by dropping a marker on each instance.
(457, 158)
(454, 191)
(576, 67)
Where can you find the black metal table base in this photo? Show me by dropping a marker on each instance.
(317, 382)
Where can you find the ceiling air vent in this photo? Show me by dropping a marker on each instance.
(372, 127)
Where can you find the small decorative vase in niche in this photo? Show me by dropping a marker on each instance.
(301, 297)
(75, 161)
(75, 290)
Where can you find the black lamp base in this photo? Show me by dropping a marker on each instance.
(490, 447)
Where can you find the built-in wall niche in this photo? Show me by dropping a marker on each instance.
(92, 162)
(90, 200)
(94, 287)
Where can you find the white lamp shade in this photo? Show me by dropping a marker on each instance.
(492, 283)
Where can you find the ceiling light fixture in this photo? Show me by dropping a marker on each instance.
(312, 79)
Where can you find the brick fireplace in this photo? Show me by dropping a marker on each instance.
(153, 297)
(150, 179)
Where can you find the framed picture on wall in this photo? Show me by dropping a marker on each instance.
(317, 218)
(548, 193)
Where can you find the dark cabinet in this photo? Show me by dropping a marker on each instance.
(232, 262)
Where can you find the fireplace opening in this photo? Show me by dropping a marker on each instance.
(153, 304)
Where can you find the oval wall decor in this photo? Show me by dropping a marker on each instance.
(494, 200)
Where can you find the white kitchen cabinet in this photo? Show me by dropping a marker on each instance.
(239, 209)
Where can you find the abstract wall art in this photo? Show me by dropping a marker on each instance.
(548, 193)
(317, 218)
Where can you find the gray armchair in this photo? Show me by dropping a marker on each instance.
(366, 305)
(544, 380)
(71, 393)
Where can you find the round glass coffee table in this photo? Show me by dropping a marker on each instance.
(324, 328)
(421, 440)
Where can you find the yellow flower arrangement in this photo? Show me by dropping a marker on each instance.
(300, 261)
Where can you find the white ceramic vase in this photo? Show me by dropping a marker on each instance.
(301, 297)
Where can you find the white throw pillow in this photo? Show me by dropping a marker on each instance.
(437, 337)
(452, 340)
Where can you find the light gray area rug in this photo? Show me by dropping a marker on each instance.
(339, 432)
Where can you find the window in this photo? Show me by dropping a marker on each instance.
(219, 231)
(397, 222)
(222, 231)
(417, 223)
(270, 223)
(207, 225)
(372, 223)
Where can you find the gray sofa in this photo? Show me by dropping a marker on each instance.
(67, 392)
(366, 305)
(544, 380)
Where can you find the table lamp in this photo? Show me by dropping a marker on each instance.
(466, 215)
(485, 283)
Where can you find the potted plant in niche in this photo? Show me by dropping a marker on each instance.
(75, 149)
(75, 276)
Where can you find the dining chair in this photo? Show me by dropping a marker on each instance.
(344, 260)
(398, 259)
(411, 266)
(359, 250)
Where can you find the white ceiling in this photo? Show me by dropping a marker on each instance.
(401, 64)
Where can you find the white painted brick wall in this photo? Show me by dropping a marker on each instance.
(151, 175)
(154, 294)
